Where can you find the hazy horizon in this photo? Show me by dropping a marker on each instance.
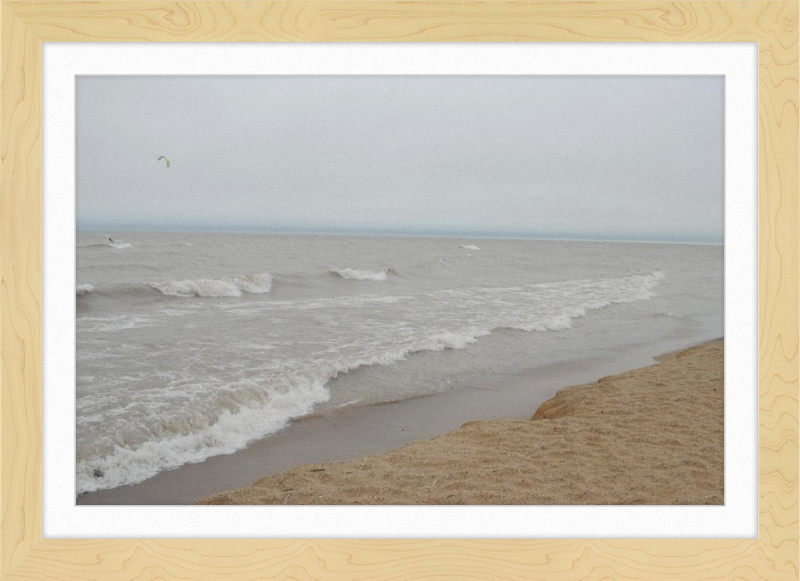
(111, 230)
(578, 158)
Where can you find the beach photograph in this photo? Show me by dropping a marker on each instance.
(399, 290)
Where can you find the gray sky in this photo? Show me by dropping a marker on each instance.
(573, 157)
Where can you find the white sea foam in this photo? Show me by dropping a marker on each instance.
(111, 323)
(217, 287)
(231, 432)
(353, 274)
(120, 245)
(469, 247)
(173, 442)
(347, 404)
(255, 283)
(83, 289)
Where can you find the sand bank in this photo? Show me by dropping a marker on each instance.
(649, 436)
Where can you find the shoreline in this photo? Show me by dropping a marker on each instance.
(653, 435)
(513, 393)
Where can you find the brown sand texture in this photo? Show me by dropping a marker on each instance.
(648, 436)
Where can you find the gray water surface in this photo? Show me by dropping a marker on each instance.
(194, 345)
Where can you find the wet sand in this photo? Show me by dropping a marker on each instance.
(357, 434)
(648, 436)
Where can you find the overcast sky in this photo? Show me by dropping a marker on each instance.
(572, 157)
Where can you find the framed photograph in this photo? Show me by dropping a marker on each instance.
(425, 229)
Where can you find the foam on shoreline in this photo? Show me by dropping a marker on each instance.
(340, 436)
(648, 436)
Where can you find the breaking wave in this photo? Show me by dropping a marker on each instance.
(172, 443)
(217, 287)
(224, 435)
(353, 274)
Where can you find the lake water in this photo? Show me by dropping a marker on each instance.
(192, 345)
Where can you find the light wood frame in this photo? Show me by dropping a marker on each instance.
(24, 26)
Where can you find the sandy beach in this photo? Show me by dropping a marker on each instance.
(653, 435)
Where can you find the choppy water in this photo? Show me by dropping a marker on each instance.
(193, 345)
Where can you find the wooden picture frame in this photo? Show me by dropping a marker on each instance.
(24, 26)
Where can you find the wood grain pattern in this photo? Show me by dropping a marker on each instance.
(23, 28)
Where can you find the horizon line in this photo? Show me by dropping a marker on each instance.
(400, 234)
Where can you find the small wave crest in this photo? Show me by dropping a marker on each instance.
(353, 274)
(230, 432)
(83, 289)
(99, 245)
(469, 247)
(217, 287)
